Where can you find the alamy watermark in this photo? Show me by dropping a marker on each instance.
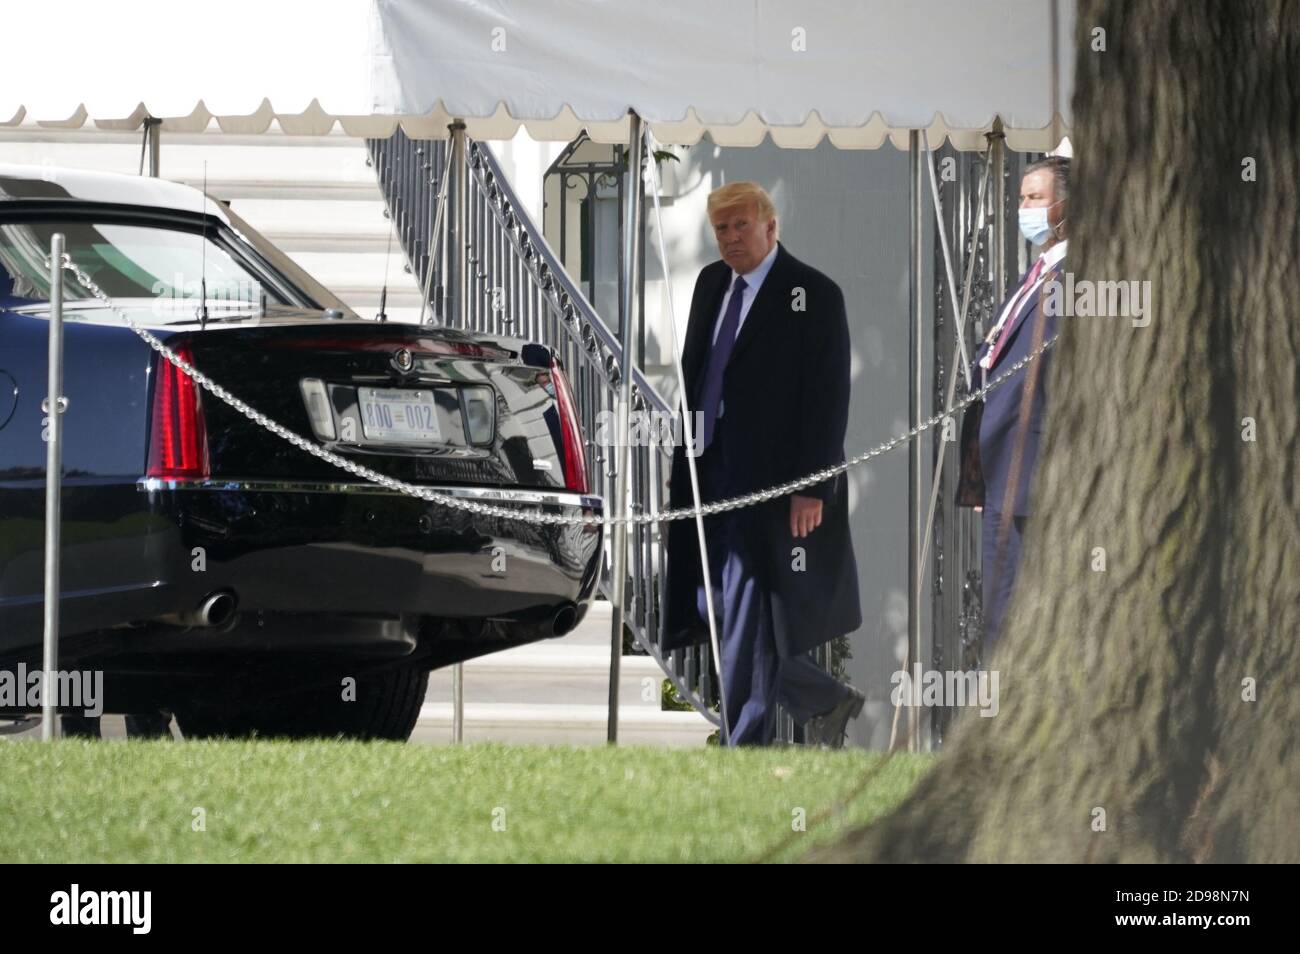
(947, 687)
(1086, 298)
(649, 428)
(73, 689)
(75, 906)
(179, 291)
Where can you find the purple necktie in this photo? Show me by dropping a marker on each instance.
(1022, 296)
(719, 355)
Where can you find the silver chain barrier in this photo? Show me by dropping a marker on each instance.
(512, 513)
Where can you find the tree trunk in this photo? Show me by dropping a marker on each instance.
(1130, 689)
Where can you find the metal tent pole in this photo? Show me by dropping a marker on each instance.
(915, 399)
(458, 275)
(997, 158)
(628, 303)
(457, 196)
(54, 404)
(151, 148)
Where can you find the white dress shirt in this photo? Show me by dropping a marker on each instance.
(753, 282)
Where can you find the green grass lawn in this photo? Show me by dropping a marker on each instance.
(80, 801)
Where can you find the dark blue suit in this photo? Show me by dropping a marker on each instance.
(1010, 431)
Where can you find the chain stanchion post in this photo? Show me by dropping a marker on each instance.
(459, 274)
(688, 433)
(54, 405)
(458, 703)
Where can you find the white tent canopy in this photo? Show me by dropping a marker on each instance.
(859, 73)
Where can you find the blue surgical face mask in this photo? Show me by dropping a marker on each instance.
(1034, 225)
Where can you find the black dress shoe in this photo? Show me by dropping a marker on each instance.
(829, 729)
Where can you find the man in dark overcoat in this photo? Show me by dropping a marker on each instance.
(766, 376)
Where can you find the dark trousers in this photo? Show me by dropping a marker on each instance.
(999, 572)
(754, 676)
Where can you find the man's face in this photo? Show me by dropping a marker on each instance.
(743, 241)
(1038, 189)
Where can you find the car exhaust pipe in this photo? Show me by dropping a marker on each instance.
(218, 608)
(564, 620)
(214, 610)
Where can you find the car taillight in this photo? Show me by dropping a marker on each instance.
(178, 442)
(575, 457)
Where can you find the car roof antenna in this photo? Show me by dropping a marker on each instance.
(203, 272)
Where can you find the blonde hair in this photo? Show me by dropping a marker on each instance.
(747, 193)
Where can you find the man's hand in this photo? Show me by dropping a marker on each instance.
(805, 515)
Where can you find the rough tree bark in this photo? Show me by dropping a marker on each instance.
(1125, 689)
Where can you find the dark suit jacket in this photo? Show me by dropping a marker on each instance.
(1000, 423)
(785, 410)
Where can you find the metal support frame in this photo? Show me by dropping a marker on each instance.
(54, 406)
(597, 358)
(435, 244)
(628, 301)
(943, 604)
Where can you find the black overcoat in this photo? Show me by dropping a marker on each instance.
(786, 405)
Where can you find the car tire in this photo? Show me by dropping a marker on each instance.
(386, 706)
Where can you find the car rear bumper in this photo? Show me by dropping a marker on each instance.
(357, 548)
(311, 566)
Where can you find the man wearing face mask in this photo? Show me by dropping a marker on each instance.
(1012, 421)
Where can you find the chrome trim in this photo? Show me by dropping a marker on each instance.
(497, 494)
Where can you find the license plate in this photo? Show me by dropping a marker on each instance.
(399, 417)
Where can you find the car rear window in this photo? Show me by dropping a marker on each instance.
(128, 261)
